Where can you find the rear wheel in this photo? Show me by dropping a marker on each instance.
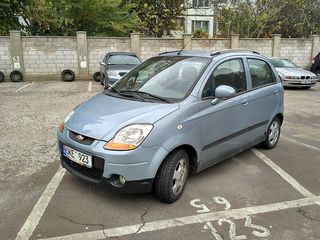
(273, 134)
(172, 176)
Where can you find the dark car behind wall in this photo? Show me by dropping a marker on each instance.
(315, 67)
(115, 65)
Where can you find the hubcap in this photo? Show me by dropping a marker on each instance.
(274, 132)
(179, 176)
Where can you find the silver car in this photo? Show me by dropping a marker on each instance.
(173, 115)
(292, 75)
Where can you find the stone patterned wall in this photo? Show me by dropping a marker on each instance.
(153, 46)
(297, 50)
(99, 47)
(210, 44)
(263, 46)
(5, 58)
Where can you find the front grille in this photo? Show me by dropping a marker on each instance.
(85, 141)
(122, 73)
(93, 173)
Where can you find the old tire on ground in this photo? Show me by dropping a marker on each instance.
(97, 76)
(67, 75)
(172, 176)
(1, 76)
(273, 134)
(16, 76)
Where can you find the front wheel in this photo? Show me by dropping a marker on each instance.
(172, 176)
(273, 134)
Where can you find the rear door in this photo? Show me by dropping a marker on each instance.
(265, 94)
(224, 126)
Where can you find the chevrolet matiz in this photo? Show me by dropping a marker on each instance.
(173, 115)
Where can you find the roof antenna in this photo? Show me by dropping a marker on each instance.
(183, 47)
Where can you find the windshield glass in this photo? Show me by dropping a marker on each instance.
(284, 63)
(123, 59)
(165, 77)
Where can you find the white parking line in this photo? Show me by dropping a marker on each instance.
(19, 89)
(33, 219)
(182, 221)
(90, 87)
(301, 143)
(294, 183)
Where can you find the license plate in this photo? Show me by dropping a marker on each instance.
(76, 156)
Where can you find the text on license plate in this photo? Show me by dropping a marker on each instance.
(76, 156)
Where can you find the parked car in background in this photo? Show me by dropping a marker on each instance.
(115, 65)
(292, 75)
(175, 114)
(315, 67)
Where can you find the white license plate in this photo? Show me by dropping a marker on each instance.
(78, 157)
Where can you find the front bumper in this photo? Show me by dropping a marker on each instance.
(138, 166)
(299, 83)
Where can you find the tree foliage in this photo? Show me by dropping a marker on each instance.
(9, 17)
(158, 16)
(262, 18)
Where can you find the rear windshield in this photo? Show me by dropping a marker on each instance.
(167, 77)
(284, 63)
(123, 59)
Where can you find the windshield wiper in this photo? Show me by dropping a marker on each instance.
(122, 93)
(152, 96)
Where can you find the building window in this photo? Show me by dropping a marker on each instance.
(200, 25)
(179, 24)
(200, 3)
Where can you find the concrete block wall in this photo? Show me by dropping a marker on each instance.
(297, 50)
(49, 55)
(46, 57)
(150, 47)
(263, 46)
(210, 44)
(5, 56)
(98, 47)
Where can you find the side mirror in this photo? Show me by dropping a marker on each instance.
(103, 63)
(223, 92)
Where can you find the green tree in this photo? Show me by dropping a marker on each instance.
(158, 17)
(9, 15)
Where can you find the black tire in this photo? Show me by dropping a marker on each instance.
(165, 182)
(97, 76)
(1, 76)
(16, 76)
(67, 75)
(317, 73)
(271, 140)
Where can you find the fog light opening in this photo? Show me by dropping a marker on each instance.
(122, 180)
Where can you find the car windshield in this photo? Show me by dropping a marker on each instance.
(282, 63)
(123, 59)
(163, 77)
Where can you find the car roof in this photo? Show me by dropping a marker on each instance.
(209, 54)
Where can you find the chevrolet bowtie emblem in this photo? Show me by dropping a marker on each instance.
(80, 137)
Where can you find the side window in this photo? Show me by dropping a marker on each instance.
(230, 73)
(261, 73)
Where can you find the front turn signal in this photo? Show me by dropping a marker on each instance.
(61, 128)
(119, 146)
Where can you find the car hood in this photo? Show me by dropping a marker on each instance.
(121, 67)
(294, 72)
(102, 116)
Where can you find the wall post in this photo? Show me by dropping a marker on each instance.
(82, 47)
(234, 41)
(315, 46)
(187, 41)
(135, 43)
(276, 45)
(16, 51)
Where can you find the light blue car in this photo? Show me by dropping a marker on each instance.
(173, 115)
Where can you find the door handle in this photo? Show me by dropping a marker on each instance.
(276, 92)
(244, 102)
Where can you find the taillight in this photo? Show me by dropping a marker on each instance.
(313, 59)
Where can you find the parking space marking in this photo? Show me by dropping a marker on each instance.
(34, 217)
(193, 219)
(90, 87)
(294, 183)
(301, 143)
(19, 89)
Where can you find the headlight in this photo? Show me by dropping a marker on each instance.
(129, 137)
(112, 73)
(61, 128)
